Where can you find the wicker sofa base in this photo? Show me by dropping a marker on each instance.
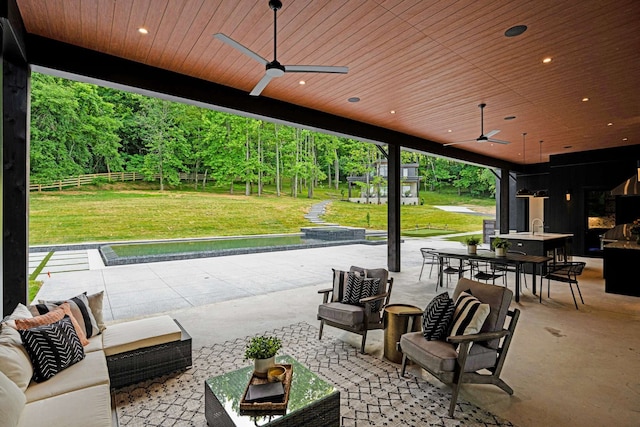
(144, 363)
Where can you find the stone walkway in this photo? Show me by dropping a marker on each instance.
(317, 211)
(62, 261)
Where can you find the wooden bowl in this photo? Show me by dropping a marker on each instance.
(276, 373)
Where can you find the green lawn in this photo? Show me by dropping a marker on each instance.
(131, 212)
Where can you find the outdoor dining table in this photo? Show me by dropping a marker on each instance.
(515, 259)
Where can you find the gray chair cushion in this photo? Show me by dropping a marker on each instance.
(498, 298)
(440, 356)
(345, 314)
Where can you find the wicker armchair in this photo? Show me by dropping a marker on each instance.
(361, 318)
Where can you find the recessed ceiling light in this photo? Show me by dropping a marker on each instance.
(625, 139)
(392, 111)
(449, 131)
(609, 124)
(510, 117)
(143, 30)
(354, 99)
(546, 60)
(302, 82)
(515, 31)
(585, 99)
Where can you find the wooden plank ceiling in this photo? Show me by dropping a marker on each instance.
(431, 62)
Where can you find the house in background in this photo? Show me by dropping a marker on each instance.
(376, 185)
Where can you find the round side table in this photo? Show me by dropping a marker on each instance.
(396, 322)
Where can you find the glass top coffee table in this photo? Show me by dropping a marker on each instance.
(313, 402)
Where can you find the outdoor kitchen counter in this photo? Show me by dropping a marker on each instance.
(527, 235)
(620, 260)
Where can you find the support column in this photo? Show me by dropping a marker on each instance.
(14, 174)
(503, 198)
(393, 209)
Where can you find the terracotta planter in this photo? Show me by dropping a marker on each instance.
(261, 366)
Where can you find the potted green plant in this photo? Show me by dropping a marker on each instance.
(472, 244)
(500, 245)
(262, 349)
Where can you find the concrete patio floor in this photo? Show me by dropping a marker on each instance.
(567, 367)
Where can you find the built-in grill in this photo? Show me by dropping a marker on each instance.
(616, 234)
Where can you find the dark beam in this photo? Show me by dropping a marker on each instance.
(382, 150)
(14, 156)
(503, 199)
(61, 59)
(393, 209)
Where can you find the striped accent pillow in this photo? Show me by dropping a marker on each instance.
(340, 279)
(50, 317)
(436, 319)
(80, 309)
(52, 348)
(469, 315)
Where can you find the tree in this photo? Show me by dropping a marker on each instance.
(165, 141)
(73, 130)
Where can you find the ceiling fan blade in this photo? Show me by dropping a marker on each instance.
(315, 69)
(459, 142)
(493, 132)
(231, 42)
(498, 141)
(257, 90)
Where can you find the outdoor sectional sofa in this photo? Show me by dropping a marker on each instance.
(80, 395)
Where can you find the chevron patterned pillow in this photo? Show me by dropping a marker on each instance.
(371, 287)
(437, 317)
(359, 287)
(52, 348)
(351, 293)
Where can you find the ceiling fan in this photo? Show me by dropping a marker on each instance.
(482, 137)
(274, 68)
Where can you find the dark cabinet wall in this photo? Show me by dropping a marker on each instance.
(578, 173)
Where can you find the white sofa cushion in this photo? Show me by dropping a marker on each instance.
(141, 333)
(95, 344)
(90, 406)
(20, 312)
(12, 402)
(14, 360)
(90, 371)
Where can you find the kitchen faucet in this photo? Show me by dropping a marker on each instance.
(533, 225)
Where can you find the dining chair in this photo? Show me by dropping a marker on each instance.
(510, 268)
(428, 257)
(450, 269)
(565, 273)
(486, 271)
